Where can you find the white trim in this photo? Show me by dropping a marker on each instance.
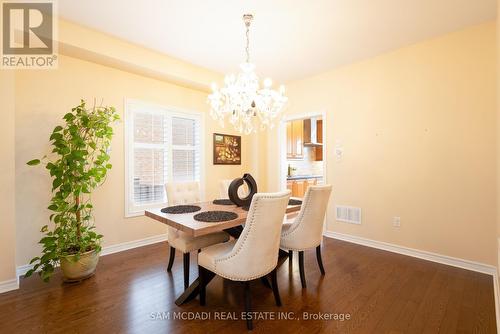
(9, 285)
(497, 304)
(282, 143)
(429, 256)
(133, 244)
(21, 270)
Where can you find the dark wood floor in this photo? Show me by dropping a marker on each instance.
(381, 291)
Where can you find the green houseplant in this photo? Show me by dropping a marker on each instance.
(78, 163)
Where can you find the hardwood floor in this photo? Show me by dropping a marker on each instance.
(381, 291)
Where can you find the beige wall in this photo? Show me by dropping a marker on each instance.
(418, 130)
(7, 172)
(43, 97)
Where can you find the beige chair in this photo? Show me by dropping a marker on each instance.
(254, 254)
(306, 230)
(187, 193)
(224, 186)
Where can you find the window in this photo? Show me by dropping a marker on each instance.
(163, 146)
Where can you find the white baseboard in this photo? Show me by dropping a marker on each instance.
(133, 244)
(497, 304)
(21, 270)
(9, 285)
(429, 256)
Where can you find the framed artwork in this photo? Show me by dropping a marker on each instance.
(227, 149)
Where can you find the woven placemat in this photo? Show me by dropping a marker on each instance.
(181, 209)
(223, 202)
(294, 202)
(215, 216)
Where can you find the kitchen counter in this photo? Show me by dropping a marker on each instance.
(303, 177)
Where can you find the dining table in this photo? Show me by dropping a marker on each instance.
(186, 223)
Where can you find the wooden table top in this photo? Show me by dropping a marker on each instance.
(186, 223)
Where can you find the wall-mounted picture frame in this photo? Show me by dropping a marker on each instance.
(227, 149)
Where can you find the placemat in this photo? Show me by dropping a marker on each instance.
(215, 216)
(223, 202)
(181, 209)
(294, 202)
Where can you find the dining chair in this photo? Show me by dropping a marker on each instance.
(305, 231)
(254, 254)
(224, 187)
(187, 193)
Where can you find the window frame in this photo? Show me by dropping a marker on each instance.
(132, 210)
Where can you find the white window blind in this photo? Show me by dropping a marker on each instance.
(162, 146)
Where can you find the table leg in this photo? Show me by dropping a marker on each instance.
(193, 290)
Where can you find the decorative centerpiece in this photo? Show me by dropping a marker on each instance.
(236, 184)
(78, 164)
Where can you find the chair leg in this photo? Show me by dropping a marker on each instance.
(186, 270)
(320, 261)
(202, 272)
(171, 258)
(248, 306)
(290, 255)
(276, 291)
(301, 269)
(264, 281)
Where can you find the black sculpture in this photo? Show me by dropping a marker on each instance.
(236, 184)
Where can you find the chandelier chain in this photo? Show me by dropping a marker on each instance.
(247, 48)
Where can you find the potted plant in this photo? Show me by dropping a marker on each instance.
(78, 164)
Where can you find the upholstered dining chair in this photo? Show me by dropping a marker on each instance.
(305, 231)
(254, 254)
(187, 193)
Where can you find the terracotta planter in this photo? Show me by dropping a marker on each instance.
(74, 271)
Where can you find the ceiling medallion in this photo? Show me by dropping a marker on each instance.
(248, 105)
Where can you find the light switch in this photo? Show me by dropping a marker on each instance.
(339, 150)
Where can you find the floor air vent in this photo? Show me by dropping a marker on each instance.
(348, 214)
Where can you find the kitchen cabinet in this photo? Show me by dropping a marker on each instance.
(299, 186)
(295, 139)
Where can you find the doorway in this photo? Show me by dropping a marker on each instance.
(302, 152)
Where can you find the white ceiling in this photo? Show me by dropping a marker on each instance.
(290, 39)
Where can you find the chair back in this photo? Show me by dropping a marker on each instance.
(183, 192)
(255, 253)
(307, 229)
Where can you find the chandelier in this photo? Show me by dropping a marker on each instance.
(243, 100)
